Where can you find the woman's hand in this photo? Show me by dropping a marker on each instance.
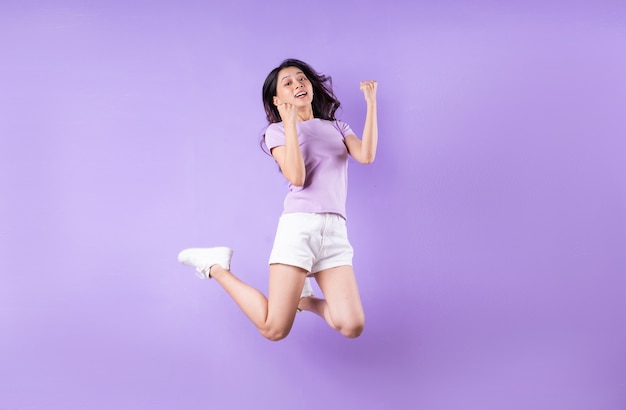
(369, 90)
(288, 112)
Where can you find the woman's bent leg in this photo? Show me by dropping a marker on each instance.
(274, 315)
(342, 308)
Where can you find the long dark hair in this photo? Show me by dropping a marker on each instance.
(325, 104)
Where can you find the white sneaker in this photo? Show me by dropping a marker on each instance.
(307, 290)
(203, 258)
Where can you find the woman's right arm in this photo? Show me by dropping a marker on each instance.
(289, 156)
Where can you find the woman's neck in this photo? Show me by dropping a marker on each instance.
(305, 114)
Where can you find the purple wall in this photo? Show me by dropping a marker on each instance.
(489, 234)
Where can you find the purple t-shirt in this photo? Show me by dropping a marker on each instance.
(326, 162)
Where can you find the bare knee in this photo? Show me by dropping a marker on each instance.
(352, 329)
(275, 333)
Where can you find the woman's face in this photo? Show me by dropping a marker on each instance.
(293, 87)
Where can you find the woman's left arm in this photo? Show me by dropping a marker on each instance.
(364, 150)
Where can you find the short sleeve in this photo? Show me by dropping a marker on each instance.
(345, 129)
(274, 135)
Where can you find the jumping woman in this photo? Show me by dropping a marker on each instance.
(311, 148)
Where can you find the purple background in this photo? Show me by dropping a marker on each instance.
(489, 234)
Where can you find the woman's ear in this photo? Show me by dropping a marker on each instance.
(276, 101)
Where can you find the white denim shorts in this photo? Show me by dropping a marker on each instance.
(313, 242)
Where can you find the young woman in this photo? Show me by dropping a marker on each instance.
(311, 147)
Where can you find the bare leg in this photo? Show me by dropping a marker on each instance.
(342, 308)
(274, 315)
